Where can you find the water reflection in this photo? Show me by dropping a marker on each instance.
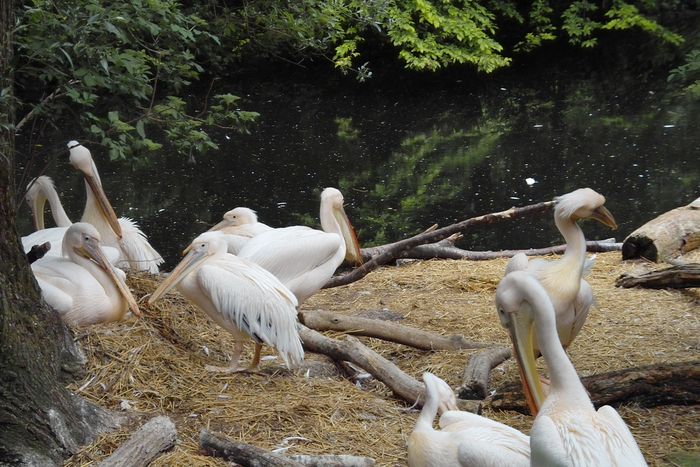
(406, 159)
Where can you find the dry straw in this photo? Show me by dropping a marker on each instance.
(155, 365)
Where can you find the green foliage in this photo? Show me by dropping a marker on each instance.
(115, 67)
(688, 74)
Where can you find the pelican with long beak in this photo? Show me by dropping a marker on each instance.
(464, 439)
(239, 296)
(567, 430)
(82, 285)
(302, 258)
(563, 280)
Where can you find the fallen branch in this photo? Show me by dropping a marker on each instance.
(675, 277)
(352, 350)
(146, 444)
(478, 371)
(392, 251)
(217, 445)
(648, 386)
(438, 251)
(334, 461)
(37, 252)
(320, 320)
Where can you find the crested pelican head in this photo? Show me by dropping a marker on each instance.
(83, 239)
(207, 245)
(584, 203)
(333, 198)
(81, 159)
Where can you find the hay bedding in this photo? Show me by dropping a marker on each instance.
(155, 365)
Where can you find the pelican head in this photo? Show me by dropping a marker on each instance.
(517, 296)
(235, 217)
(83, 239)
(81, 159)
(36, 199)
(584, 203)
(207, 245)
(439, 389)
(333, 198)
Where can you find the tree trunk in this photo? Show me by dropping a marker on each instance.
(648, 386)
(40, 421)
(672, 233)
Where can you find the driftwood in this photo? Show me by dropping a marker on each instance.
(478, 371)
(217, 445)
(392, 251)
(38, 251)
(667, 236)
(352, 350)
(648, 386)
(439, 251)
(145, 445)
(675, 277)
(320, 320)
(334, 461)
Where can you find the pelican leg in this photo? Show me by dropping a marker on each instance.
(256, 358)
(233, 368)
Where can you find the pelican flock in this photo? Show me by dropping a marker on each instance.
(250, 279)
(238, 295)
(567, 429)
(82, 285)
(135, 252)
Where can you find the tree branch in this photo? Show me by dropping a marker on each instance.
(676, 277)
(146, 444)
(217, 445)
(478, 371)
(321, 320)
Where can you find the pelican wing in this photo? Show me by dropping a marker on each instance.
(256, 302)
(290, 252)
(518, 262)
(582, 305)
(621, 445)
(136, 250)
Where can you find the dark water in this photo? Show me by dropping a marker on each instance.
(408, 156)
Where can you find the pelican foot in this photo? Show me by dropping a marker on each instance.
(231, 369)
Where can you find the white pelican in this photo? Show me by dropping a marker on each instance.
(82, 285)
(123, 233)
(465, 439)
(40, 190)
(239, 296)
(302, 258)
(567, 429)
(240, 225)
(563, 278)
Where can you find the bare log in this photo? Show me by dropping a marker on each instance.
(392, 251)
(321, 320)
(217, 445)
(648, 386)
(149, 442)
(334, 461)
(667, 236)
(354, 351)
(675, 277)
(478, 371)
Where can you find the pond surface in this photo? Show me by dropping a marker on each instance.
(417, 154)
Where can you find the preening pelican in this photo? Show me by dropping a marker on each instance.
(302, 258)
(240, 225)
(239, 296)
(123, 233)
(82, 285)
(571, 295)
(465, 439)
(567, 429)
(40, 190)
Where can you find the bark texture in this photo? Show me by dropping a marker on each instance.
(675, 277)
(149, 442)
(478, 371)
(321, 320)
(214, 444)
(672, 233)
(648, 386)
